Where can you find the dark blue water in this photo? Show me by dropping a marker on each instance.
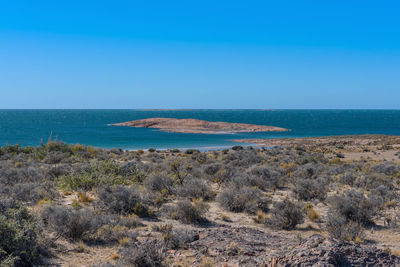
(90, 127)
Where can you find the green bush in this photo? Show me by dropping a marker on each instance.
(106, 172)
(19, 245)
(12, 149)
(53, 146)
(83, 181)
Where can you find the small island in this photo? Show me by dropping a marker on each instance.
(198, 126)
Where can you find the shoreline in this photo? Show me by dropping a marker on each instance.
(354, 140)
(320, 139)
(279, 141)
(201, 149)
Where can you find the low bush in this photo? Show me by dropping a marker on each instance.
(58, 171)
(100, 173)
(308, 170)
(81, 181)
(11, 175)
(347, 179)
(133, 171)
(354, 206)
(212, 169)
(387, 168)
(73, 224)
(113, 231)
(147, 253)
(192, 151)
(33, 192)
(309, 189)
(57, 146)
(55, 157)
(176, 238)
(159, 182)
(196, 188)
(116, 151)
(122, 200)
(243, 199)
(178, 170)
(341, 229)
(189, 212)
(10, 149)
(225, 174)
(265, 178)
(19, 245)
(384, 193)
(155, 157)
(286, 215)
(371, 181)
(244, 158)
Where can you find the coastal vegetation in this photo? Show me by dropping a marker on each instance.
(244, 205)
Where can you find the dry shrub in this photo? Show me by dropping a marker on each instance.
(243, 199)
(286, 215)
(74, 224)
(341, 229)
(189, 212)
(196, 188)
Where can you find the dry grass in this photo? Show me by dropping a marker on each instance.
(313, 215)
(84, 198)
(260, 217)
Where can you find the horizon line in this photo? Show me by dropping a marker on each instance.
(189, 109)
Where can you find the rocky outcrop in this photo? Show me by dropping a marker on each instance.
(240, 246)
(247, 247)
(198, 126)
(320, 251)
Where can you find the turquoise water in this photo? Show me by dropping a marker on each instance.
(91, 127)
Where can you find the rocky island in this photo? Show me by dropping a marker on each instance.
(198, 126)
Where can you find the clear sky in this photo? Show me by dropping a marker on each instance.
(200, 54)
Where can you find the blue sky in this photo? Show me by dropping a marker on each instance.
(199, 54)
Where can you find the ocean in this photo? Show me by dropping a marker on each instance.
(91, 127)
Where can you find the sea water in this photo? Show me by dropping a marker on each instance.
(92, 127)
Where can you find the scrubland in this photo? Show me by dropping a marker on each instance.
(75, 205)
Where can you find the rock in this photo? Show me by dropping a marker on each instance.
(320, 251)
(256, 247)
